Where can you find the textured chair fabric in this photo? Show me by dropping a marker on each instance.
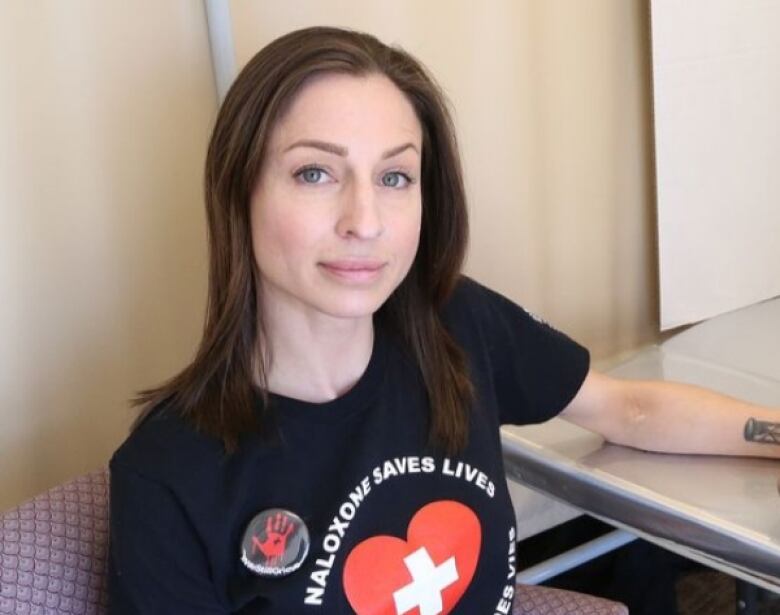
(538, 600)
(54, 550)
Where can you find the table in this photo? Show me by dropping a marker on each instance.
(721, 511)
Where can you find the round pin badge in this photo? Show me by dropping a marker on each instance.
(275, 543)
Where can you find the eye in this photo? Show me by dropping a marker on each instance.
(310, 174)
(398, 181)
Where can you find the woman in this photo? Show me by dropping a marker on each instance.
(334, 445)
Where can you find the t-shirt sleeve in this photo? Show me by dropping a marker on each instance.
(535, 369)
(156, 562)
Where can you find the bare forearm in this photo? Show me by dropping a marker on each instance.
(681, 418)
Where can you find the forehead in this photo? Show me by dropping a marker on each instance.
(346, 109)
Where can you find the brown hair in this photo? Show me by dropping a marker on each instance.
(216, 391)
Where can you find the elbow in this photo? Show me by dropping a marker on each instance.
(632, 416)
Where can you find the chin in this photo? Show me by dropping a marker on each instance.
(346, 302)
(355, 307)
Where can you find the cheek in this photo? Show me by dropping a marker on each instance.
(409, 236)
(281, 236)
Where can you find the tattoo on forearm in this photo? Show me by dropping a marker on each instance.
(762, 431)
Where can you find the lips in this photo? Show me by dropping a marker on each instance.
(354, 265)
(354, 271)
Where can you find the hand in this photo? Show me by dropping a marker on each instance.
(277, 530)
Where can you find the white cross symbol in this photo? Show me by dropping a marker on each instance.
(428, 581)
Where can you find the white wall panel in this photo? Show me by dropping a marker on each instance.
(716, 72)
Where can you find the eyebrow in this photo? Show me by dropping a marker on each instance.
(343, 151)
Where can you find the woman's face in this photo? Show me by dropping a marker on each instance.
(336, 209)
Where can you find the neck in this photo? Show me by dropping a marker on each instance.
(315, 357)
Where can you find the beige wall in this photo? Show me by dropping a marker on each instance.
(105, 109)
(552, 107)
(104, 116)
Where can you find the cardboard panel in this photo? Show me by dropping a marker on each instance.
(716, 73)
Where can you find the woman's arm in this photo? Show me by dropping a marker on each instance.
(156, 562)
(672, 417)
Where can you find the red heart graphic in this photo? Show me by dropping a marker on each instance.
(426, 574)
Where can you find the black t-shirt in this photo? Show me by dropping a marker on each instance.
(395, 527)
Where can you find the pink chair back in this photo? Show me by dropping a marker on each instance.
(54, 550)
(540, 600)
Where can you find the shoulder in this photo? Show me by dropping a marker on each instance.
(165, 445)
(472, 297)
(473, 305)
(476, 314)
(466, 301)
(535, 369)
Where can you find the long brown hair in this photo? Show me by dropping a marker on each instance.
(216, 392)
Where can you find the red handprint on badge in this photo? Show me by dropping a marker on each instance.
(277, 530)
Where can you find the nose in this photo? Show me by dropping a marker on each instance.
(359, 215)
